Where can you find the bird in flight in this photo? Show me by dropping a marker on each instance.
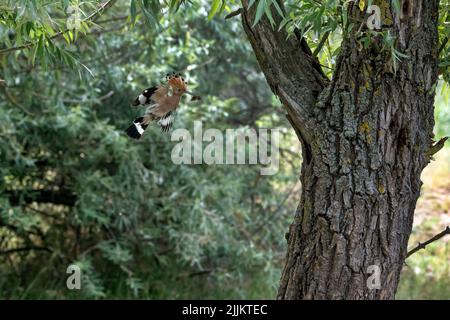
(161, 102)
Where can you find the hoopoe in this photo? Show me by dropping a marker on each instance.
(162, 102)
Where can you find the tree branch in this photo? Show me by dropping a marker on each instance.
(321, 43)
(435, 148)
(233, 14)
(92, 100)
(28, 248)
(424, 244)
(13, 100)
(291, 70)
(62, 197)
(443, 44)
(90, 18)
(113, 19)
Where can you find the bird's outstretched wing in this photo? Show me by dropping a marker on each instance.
(150, 95)
(166, 121)
(145, 97)
(137, 128)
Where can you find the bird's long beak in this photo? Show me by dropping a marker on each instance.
(194, 96)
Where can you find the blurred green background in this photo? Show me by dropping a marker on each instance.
(75, 189)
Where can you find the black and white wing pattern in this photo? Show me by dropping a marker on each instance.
(166, 122)
(145, 97)
(136, 130)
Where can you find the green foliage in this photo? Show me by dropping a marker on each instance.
(329, 18)
(75, 189)
(444, 32)
(442, 111)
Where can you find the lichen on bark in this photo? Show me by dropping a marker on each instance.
(365, 136)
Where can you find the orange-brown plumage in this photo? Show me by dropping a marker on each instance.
(161, 102)
(177, 82)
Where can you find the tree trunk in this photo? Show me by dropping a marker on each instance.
(365, 138)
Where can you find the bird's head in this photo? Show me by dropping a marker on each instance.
(177, 83)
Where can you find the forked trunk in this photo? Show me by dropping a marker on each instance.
(365, 139)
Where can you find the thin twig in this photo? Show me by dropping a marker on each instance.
(93, 100)
(21, 249)
(446, 39)
(233, 14)
(273, 216)
(103, 31)
(443, 44)
(120, 18)
(321, 43)
(92, 17)
(423, 245)
(436, 147)
(196, 66)
(13, 100)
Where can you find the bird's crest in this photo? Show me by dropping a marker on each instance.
(175, 80)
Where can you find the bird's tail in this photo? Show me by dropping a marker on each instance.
(136, 130)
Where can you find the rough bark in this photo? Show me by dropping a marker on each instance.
(365, 136)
